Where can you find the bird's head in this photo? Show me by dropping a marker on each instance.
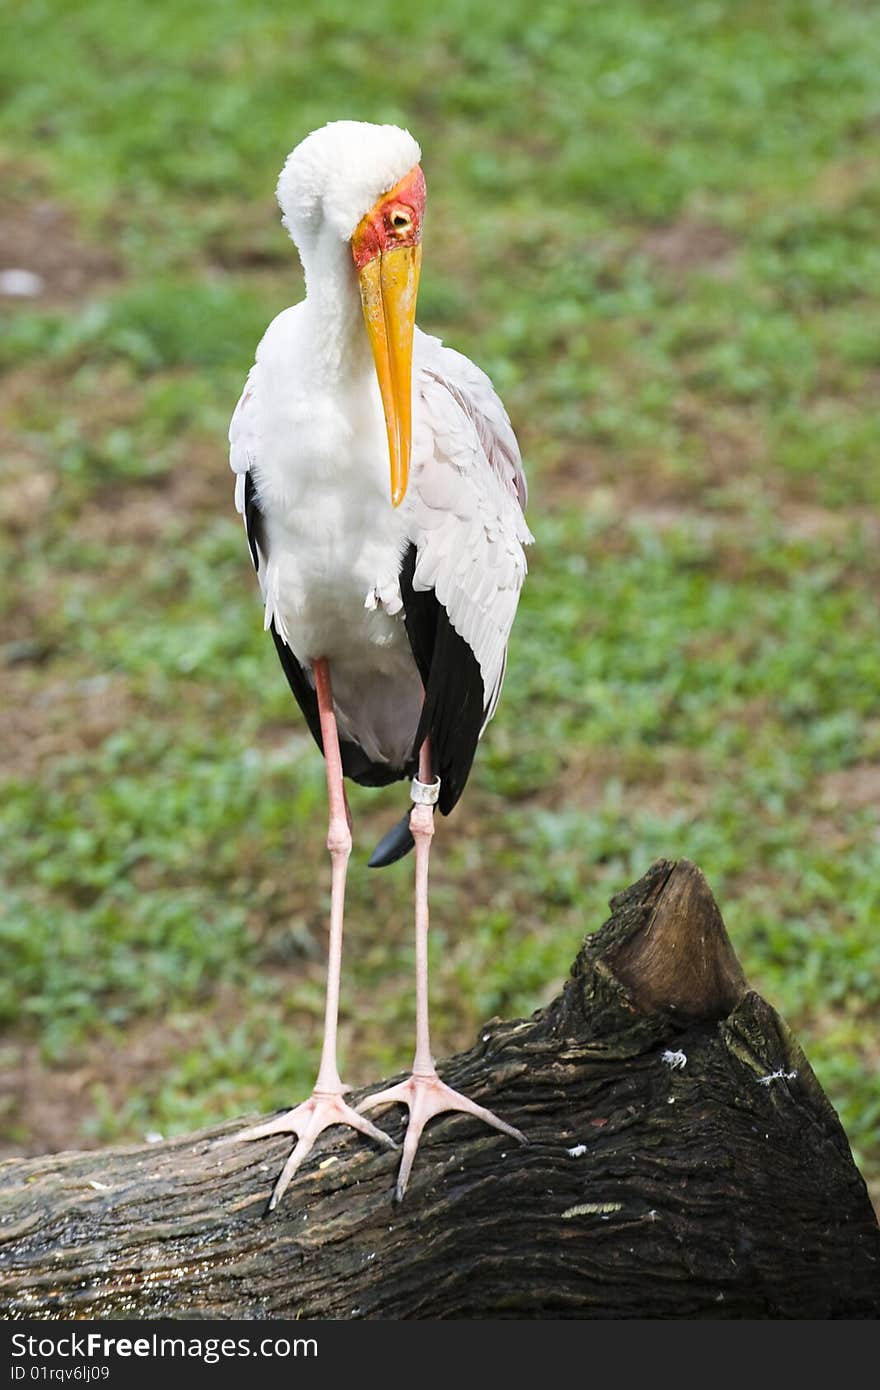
(362, 184)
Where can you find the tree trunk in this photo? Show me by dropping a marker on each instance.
(683, 1162)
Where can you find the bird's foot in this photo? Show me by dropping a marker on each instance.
(426, 1095)
(306, 1121)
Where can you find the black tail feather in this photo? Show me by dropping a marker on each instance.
(394, 845)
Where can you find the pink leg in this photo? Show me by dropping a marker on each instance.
(339, 845)
(424, 1093)
(325, 1106)
(421, 823)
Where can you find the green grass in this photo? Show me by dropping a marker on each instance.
(656, 227)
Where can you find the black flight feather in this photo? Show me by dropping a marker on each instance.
(454, 708)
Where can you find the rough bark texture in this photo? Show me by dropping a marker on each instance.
(683, 1162)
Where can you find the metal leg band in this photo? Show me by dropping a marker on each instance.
(425, 793)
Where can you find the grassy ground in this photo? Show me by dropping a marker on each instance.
(656, 226)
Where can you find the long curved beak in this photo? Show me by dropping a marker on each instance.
(389, 288)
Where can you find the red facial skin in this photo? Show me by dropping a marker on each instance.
(404, 204)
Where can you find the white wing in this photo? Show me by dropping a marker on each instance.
(466, 496)
(242, 438)
(242, 455)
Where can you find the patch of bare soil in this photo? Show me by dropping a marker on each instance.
(852, 788)
(573, 480)
(251, 239)
(26, 484)
(39, 240)
(715, 505)
(675, 784)
(196, 487)
(661, 784)
(689, 244)
(732, 440)
(50, 1107)
(727, 451)
(805, 522)
(25, 491)
(44, 722)
(197, 484)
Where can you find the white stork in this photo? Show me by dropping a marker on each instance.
(390, 607)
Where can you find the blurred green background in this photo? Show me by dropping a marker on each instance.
(656, 226)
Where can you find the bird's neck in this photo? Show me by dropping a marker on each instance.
(334, 320)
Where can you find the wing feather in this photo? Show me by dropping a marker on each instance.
(467, 491)
(462, 577)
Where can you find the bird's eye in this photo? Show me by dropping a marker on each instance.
(401, 221)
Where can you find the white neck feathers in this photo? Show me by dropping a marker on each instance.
(334, 318)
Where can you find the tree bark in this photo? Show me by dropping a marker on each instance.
(683, 1162)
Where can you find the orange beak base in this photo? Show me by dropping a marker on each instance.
(387, 252)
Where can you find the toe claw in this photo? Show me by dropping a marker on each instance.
(289, 1170)
(411, 1144)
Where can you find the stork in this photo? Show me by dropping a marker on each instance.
(383, 495)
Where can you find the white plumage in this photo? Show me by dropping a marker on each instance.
(309, 427)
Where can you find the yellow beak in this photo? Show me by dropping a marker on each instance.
(389, 288)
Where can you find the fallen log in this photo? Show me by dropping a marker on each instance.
(683, 1162)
